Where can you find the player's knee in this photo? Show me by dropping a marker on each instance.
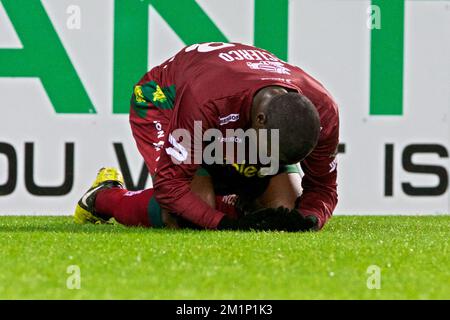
(202, 186)
(209, 198)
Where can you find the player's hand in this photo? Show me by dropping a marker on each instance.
(281, 219)
(269, 219)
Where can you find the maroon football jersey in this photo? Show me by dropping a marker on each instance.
(215, 83)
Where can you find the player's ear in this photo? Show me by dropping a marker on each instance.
(260, 120)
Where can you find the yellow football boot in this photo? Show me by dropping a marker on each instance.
(85, 211)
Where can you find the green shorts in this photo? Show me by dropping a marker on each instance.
(243, 180)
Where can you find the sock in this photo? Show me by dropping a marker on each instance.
(226, 204)
(127, 207)
(130, 208)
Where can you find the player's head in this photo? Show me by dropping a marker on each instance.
(297, 121)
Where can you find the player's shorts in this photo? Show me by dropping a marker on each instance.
(151, 109)
(244, 180)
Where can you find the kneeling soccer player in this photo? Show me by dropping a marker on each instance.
(225, 87)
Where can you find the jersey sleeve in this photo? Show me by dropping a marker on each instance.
(319, 197)
(179, 163)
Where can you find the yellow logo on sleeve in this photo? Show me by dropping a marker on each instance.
(138, 94)
(158, 95)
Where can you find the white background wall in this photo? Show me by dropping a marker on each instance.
(329, 39)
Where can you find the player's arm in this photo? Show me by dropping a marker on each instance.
(177, 167)
(319, 197)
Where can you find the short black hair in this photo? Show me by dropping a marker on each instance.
(298, 122)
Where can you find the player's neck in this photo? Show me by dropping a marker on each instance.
(262, 98)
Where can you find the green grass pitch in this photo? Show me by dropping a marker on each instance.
(116, 262)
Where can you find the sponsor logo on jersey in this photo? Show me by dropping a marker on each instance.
(247, 170)
(233, 117)
(270, 66)
(231, 139)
